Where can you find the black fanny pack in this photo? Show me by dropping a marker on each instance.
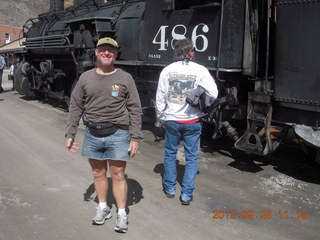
(102, 129)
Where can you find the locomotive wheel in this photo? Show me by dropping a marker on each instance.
(18, 79)
(21, 82)
(25, 88)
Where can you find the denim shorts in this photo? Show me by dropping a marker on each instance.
(113, 147)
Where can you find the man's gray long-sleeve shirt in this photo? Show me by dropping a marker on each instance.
(105, 98)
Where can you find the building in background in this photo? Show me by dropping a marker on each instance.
(9, 42)
(9, 34)
(12, 51)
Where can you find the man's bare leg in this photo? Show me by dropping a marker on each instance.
(120, 190)
(99, 170)
(119, 183)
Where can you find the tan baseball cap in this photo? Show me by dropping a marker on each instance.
(107, 40)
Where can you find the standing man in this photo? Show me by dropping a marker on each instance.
(2, 66)
(182, 121)
(107, 99)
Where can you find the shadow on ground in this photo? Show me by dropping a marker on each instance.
(135, 193)
(288, 159)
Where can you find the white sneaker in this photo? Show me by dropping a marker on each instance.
(121, 223)
(101, 216)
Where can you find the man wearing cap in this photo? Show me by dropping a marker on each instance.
(107, 99)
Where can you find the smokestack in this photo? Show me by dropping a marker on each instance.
(56, 5)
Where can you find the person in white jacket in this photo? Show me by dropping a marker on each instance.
(182, 122)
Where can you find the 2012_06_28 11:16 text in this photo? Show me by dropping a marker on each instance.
(262, 214)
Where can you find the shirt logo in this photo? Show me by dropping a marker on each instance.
(115, 90)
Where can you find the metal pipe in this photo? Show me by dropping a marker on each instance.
(264, 85)
(220, 42)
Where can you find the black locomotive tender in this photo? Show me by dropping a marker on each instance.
(263, 54)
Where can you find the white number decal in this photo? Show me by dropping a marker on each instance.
(195, 37)
(179, 31)
(163, 43)
(177, 36)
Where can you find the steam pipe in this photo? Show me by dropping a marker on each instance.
(264, 85)
(220, 42)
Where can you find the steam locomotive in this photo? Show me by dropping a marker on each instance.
(263, 54)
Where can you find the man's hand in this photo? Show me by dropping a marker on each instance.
(72, 146)
(133, 148)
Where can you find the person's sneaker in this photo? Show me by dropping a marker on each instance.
(169, 195)
(121, 223)
(101, 216)
(185, 202)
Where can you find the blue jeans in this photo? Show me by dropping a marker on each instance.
(190, 135)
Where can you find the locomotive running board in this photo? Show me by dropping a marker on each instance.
(257, 138)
